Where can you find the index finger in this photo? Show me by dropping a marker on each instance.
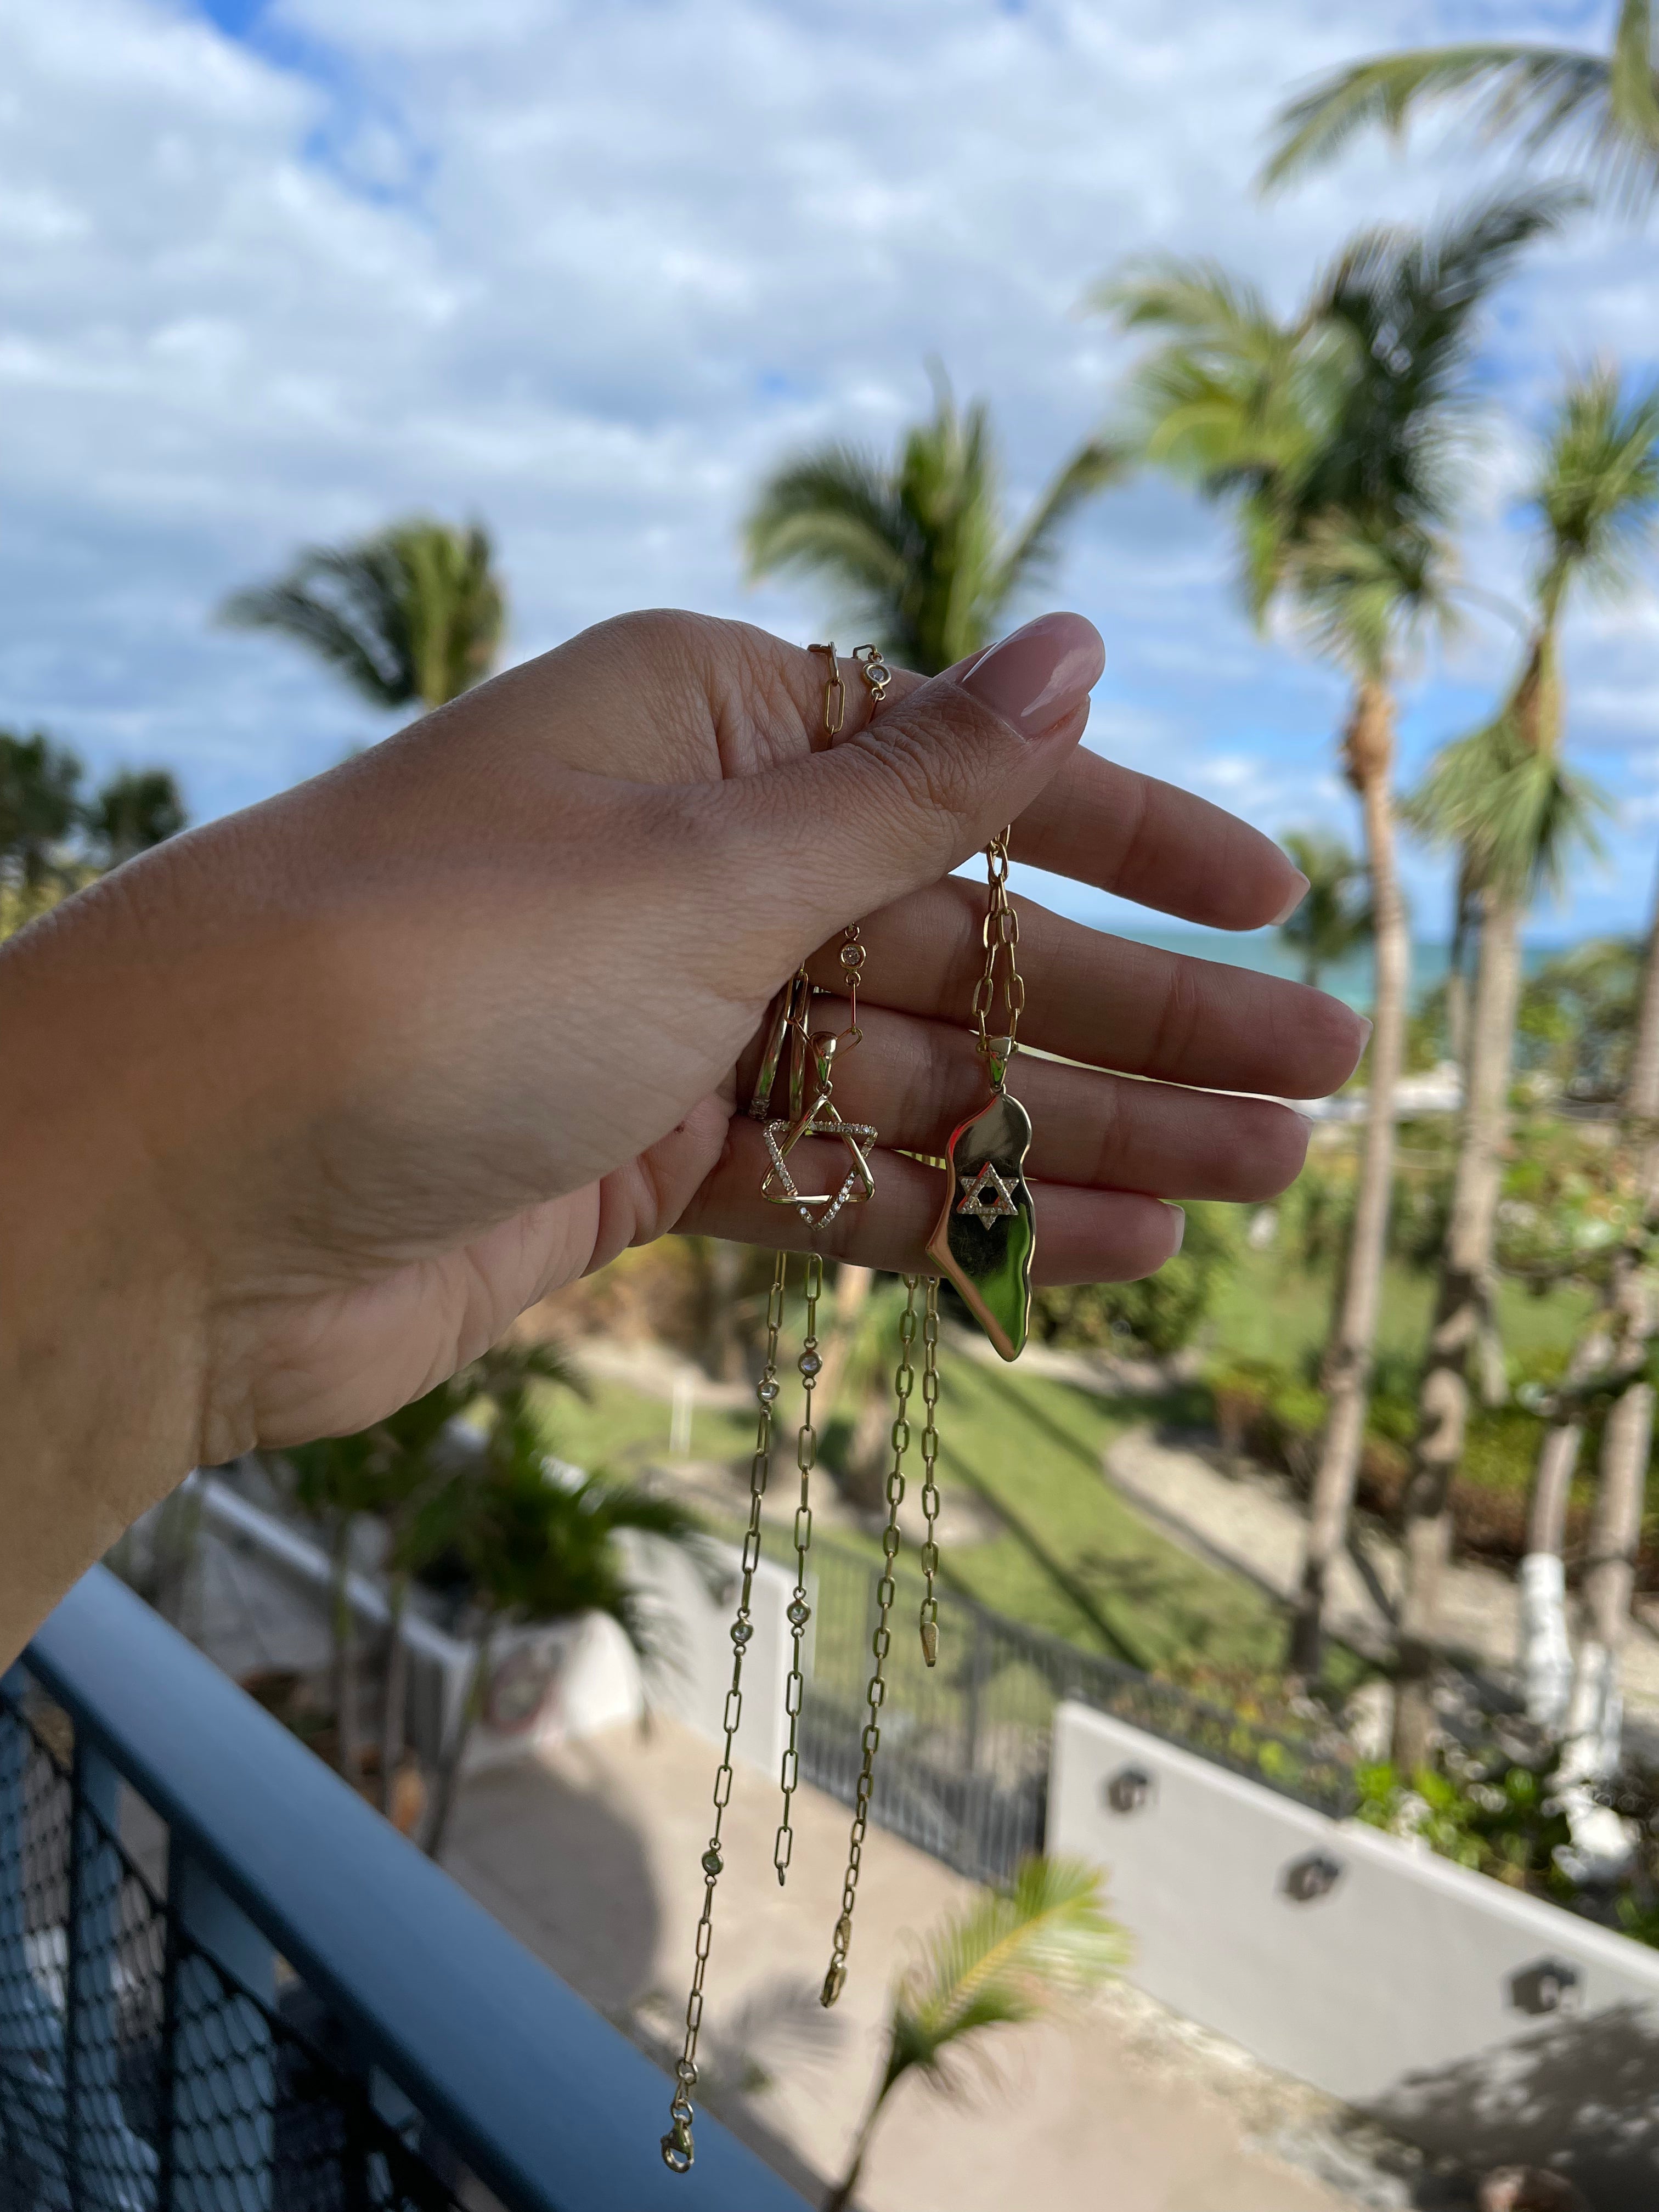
(1104, 824)
(1101, 823)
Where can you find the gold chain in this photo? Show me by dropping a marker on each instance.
(929, 1483)
(880, 1643)
(799, 1611)
(677, 2146)
(1000, 934)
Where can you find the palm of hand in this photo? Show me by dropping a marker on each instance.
(441, 1227)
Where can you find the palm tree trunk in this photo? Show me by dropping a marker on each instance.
(1627, 1437)
(1458, 982)
(345, 1626)
(1618, 1332)
(395, 1703)
(450, 1768)
(1348, 1358)
(842, 2195)
(1545, 1651)
(1466, 1262)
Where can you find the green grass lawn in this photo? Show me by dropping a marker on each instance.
(1073, 1558)
(1269, 1308)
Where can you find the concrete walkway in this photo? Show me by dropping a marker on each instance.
(1252, 1523)
(590, 1856)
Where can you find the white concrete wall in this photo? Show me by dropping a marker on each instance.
(1413, 1988)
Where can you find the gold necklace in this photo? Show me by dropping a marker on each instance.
(984, 1241)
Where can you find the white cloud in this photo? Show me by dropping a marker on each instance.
(587, 270)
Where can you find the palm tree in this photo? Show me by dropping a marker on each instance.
(410, 617)
(337, 1479)
(1605, 108)
(1335, 436)
(537, 1547)
(40, 811)
(1627, 1328)
(1013, 1956)
(1335, 915)
(136, 808)
(1516, 812)
(917, 549)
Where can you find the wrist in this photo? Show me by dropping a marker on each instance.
(100, 1365)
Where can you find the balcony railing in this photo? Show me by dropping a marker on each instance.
(245, 1992)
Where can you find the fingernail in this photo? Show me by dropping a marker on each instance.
(1180, 1214)
(1294, 900)
(1367, 1026)
(1040, 675)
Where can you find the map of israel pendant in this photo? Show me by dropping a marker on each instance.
(987, 1232)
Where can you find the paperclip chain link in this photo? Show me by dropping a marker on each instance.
(880, 1643)
(798, 1611)
(930, 1500)
(678, 2150)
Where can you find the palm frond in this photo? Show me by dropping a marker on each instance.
(916, 550)
(1094, 467)
(294, 609)
(1360, 590)
(413, 615)
(1530, 93)
(1518, 814)
(1191, 296)
(1597, 488)
(1011, 1956)
(1335, 914)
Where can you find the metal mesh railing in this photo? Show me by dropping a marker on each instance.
(136, 2076)
(965, 1744)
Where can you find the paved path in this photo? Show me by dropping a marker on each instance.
(1252, 1524)
(590, 1857)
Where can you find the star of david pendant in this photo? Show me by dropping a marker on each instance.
(986, 1230)
(779, 1187)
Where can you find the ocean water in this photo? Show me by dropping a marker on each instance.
(1265, 951)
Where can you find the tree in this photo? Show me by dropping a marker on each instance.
(1505, 799)
(39, 811)
(337, 1480)
(410, 617)
(1012, 1957)
(1335, 437)
(917, 549)
(135, 809)
(538, 1547)
(1602, 108)
(1335, 916)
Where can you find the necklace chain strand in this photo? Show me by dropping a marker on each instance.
(1000, 935)
(930, 1499)
(880, 1643)
(799, 1612)
(677, 2146)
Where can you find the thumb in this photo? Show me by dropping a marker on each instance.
(897, 806)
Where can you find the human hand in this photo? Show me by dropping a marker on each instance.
(319, 1096)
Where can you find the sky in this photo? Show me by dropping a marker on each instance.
(273, 272)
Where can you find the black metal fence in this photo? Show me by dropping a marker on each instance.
(227, 1985)
(135, 2075)
(965, 1744)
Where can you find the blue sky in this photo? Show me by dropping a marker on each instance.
(275, 271)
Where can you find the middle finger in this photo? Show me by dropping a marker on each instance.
(916, 1081)
(1107, 1002)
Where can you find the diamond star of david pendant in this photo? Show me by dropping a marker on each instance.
(986, 1230)
(779, 1187)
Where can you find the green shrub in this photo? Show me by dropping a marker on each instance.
(1158, 1316)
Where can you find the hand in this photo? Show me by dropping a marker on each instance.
(317, 1098)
